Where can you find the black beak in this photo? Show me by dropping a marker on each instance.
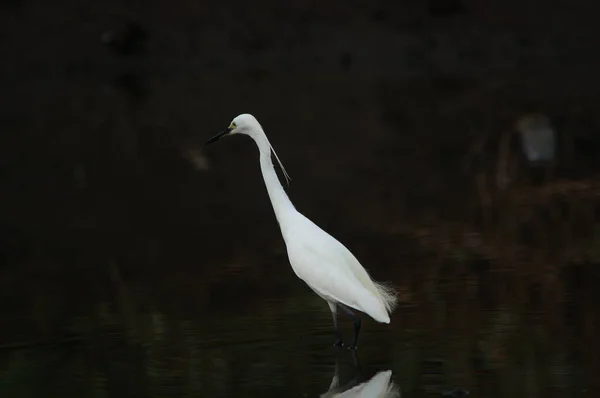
(221, 134)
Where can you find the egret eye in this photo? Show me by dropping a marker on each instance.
(232, 126)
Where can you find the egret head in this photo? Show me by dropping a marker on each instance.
(247, 124)
(241, 124)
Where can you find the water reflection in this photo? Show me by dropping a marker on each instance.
(379, 386)
(281, 347)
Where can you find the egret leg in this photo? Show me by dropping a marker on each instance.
(338, 335)
(357, 323)
(358, 376)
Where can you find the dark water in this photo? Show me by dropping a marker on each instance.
(136, 262)
(495, 335)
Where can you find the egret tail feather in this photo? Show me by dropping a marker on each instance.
(388, 295)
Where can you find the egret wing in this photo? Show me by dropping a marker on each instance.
(332, 271)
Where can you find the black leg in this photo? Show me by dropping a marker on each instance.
(356, 321)
(358, 377)
(338, 335)
(353, 381)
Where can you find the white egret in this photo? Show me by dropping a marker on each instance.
(316, 257)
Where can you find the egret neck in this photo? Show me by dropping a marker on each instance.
(282, 205)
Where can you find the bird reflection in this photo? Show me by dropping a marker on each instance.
(379, 386)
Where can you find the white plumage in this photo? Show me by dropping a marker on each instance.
(332, 271)
(316, 257)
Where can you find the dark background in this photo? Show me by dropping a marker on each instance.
(395, 120)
